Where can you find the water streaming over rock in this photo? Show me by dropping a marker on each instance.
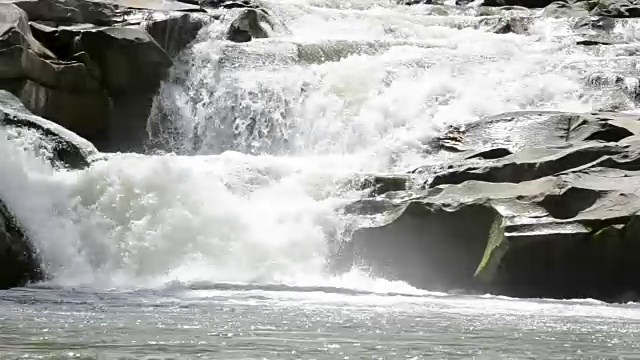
(261, 143)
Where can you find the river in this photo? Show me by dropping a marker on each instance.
(216, 243)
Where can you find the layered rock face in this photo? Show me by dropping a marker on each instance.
(91, 66)
(531, 204)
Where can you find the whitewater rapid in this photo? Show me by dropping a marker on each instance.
(258, 146)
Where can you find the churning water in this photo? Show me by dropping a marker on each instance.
(219, 244)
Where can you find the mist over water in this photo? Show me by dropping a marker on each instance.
(263, 142)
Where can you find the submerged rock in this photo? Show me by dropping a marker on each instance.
(534, 204)
(19, 264)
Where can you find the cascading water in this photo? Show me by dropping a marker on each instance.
(265, 137)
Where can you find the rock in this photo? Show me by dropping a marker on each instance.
(97, 12)
(382, 184)
(505, 25)
(550, 214)
(156, 5)
(129, 59)
(98, 81)
(229, 4)
(562, 141)
(15, 31)
(174, 31)
(19, 264)
(70, 11)
(572, 235)
(86, 113)
(68, 149)
(565, 9)
(112, 72)
(581, 8)
(250, 24)
(523, 3)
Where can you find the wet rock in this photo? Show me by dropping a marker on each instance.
(86, 113)
(63, 91)
(581, 8)
(70, 11)
(174, 31)
(68, 150)
(250, 24)
(532, 204)
(97, 12)
(129, 59)
(90, 65)
(229, 4)
(562, 141)
(572, 235)
(505, 25)
(382, 184)
(102, 83)
(523, 3)
(19, 264)
(15, 32)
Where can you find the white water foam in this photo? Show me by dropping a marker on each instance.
(278, 134)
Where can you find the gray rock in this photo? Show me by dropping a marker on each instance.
(581, 8)
(15, 31)
(69, 150)
(229, 4)
(69, 11)
(174, 31)
(562, 236)
(19, 263)
(98, 81)
(505, 25)
(553, 214)
(97, 12)
(523, 3)
(85, 113)
(129, 59)
(250, 24)
(565, 9)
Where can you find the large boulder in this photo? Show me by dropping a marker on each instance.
(19, 264)
(535, 204)
(90, 65)
(572, 235)
(67, 149)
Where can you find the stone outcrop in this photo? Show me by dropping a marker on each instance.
(93, 66)
(535, 204)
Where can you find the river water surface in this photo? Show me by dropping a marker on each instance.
(238, 323)
(217, 242)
